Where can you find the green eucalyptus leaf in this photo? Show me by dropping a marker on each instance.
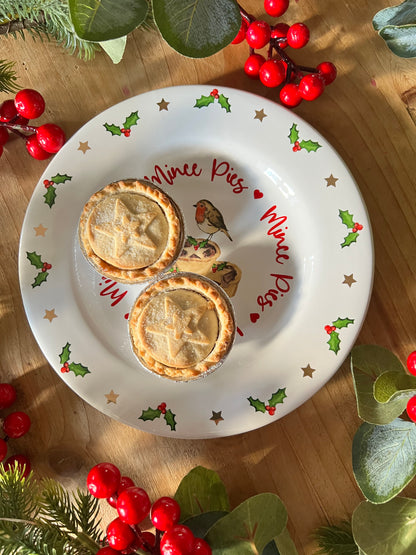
(271, 549)
(284, 544)
(102, 20)
(384, 458)
(114, 48)
(200, 524)
(197, 28)
(401, 40)
(402, 14)
(386, 529)
(368, 362)
(394, 385)
(201, 491)
(249, 527)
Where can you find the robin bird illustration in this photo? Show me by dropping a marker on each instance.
(209, 219)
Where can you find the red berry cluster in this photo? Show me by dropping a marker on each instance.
(278, 69)
(411, 404)
(330, 329)
(15, 425)
(42, 141)
(133, 505)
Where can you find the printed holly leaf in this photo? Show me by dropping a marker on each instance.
(40, 278)
(277, 397)
(350, 238)
(170, 419)
(257, 404)
(192, 241)
(204, 101)
(150, 414)
(223, 101)
(78, 369)
(220, 266)
(342, 322)
(35, 259)
(131, 120)
(294, 134)
(113, 129)
(203, 243)
(66, 353)
(310, 146)
(346, 218)
(50, 196)
(61, 178)
(334, 342)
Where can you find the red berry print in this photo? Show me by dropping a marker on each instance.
(35, 150)
(16, 424)
(103, 480)
(133, 505)
(50, 137)
(29, 103)
(311, 86)
(7, 395)
(22, 463)
(327, 72)
(241, 35)
(275, 8)
(165, 512)
(119, 535)
(411, 363)
(290, 95)
(298, 35)
(272, 73)
(258, 34)
(411, 408)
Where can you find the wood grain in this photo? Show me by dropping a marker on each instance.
(368, 114)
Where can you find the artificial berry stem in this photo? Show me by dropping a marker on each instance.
(18, 126)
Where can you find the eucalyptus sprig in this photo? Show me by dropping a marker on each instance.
(397, 26)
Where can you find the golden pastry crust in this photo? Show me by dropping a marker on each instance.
(131, 231)
(182, 327)
(227, 275)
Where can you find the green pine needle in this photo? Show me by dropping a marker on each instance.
(336, 540)
(8, 77)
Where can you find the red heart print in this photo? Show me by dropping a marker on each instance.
(258, 194)
(254, 316)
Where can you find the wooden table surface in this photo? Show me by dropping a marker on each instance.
(368, 116)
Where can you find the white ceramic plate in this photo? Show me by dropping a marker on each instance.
(290, 205)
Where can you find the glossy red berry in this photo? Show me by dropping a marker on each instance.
(125, 482)
(29, 103)
(50, 137)
(178, 540)
(298, 35)
(290, 95)
(165, 512)
(241, 35)
(107, 551)
(119, 535)
(7, 110)
(103, 480)
(3, 449)
(258, 34)
(16, 424)
(201, 547)
(1, 150)
(133, 505)
(7, 395)
(327, 72)
(311, 86)
(411, 408)
(4, 136)
(253, 65)
(22, 463)
(148, 539)
(279, 31)
(411, 363)
(276, 8)
(34, 148)
(272, 73)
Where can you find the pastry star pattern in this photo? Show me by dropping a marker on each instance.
(130, 228)
(182, 327)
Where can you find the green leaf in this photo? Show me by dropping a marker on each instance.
(334, 342)
(271, 549)
(114, 48)
(277, 397)
(200, 524)
(384, 458)
(131, 120)
(224, 103)
(284, 544)
(66, 353)
(100, 20)
(170, 419)
(342, 322)
(192, 241)
(335, 540)
(347, 218)
(249, 527)
(35, 259)
(402, 14)
(310, 146)
(387, 529)
(78, 369)
(61, 178)
(350, 238)
(40, 278)
(150, 414)
(257, 404)
(401, 40)
(197, 28)
(204, 101)
(201, 491)
(394, 385)
(113, 129)
(367, 363)
(293, 134)
(50, 196)
(203, 243)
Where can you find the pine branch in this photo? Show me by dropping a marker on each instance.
(336, 540)
(8, 77)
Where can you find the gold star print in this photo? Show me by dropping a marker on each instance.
(129, 227)
(308, 371)
(349, 280)
(260, 114)
(183, 327)
(163, 105)
(83, 147)
(50, 314)
(111, 397)
(40, 230)
(216, 417)
(331, 181)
